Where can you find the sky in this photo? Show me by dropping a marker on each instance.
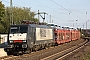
(72, 13)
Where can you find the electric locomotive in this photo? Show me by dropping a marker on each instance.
(25, 38)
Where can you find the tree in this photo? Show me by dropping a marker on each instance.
(2, 29)
(18, 14)
(2, 14)
(21, 14)
(2, 10)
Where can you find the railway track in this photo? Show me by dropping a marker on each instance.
(61, 55)
(44, 54)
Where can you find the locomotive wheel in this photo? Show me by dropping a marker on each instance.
(27, 52)
(53, 44)
(47, 46)
(43, 46)
(16, 54)
(9, 53)
(31, 49)
(56, 44)
(37, 48)
(40, 47)
(50, 44)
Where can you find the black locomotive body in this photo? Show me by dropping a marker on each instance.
(29, 37)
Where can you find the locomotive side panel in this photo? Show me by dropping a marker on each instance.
(44, 34)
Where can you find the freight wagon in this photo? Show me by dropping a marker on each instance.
(65, 35)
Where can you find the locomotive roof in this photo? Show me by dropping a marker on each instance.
(32, 25)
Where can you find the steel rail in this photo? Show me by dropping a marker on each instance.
(63, 54)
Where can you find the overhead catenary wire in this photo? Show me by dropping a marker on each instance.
(65, 9)
(35, 10)
(74, 7)
(57, 10)
(46, 7)
(32, 9)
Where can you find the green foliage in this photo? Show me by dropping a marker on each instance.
(18, 14)
(2, 28)
(2, 10)
(2, 14)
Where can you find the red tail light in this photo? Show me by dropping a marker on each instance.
(15, 41)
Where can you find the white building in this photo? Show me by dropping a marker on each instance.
(3, 38)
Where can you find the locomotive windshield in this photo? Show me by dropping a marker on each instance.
(18, 29)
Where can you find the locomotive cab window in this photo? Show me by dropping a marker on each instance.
(18, 29)
(23, 29)
(13, 29)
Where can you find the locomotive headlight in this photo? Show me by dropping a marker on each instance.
(24, 40)
(11, 41)
(24, 45)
